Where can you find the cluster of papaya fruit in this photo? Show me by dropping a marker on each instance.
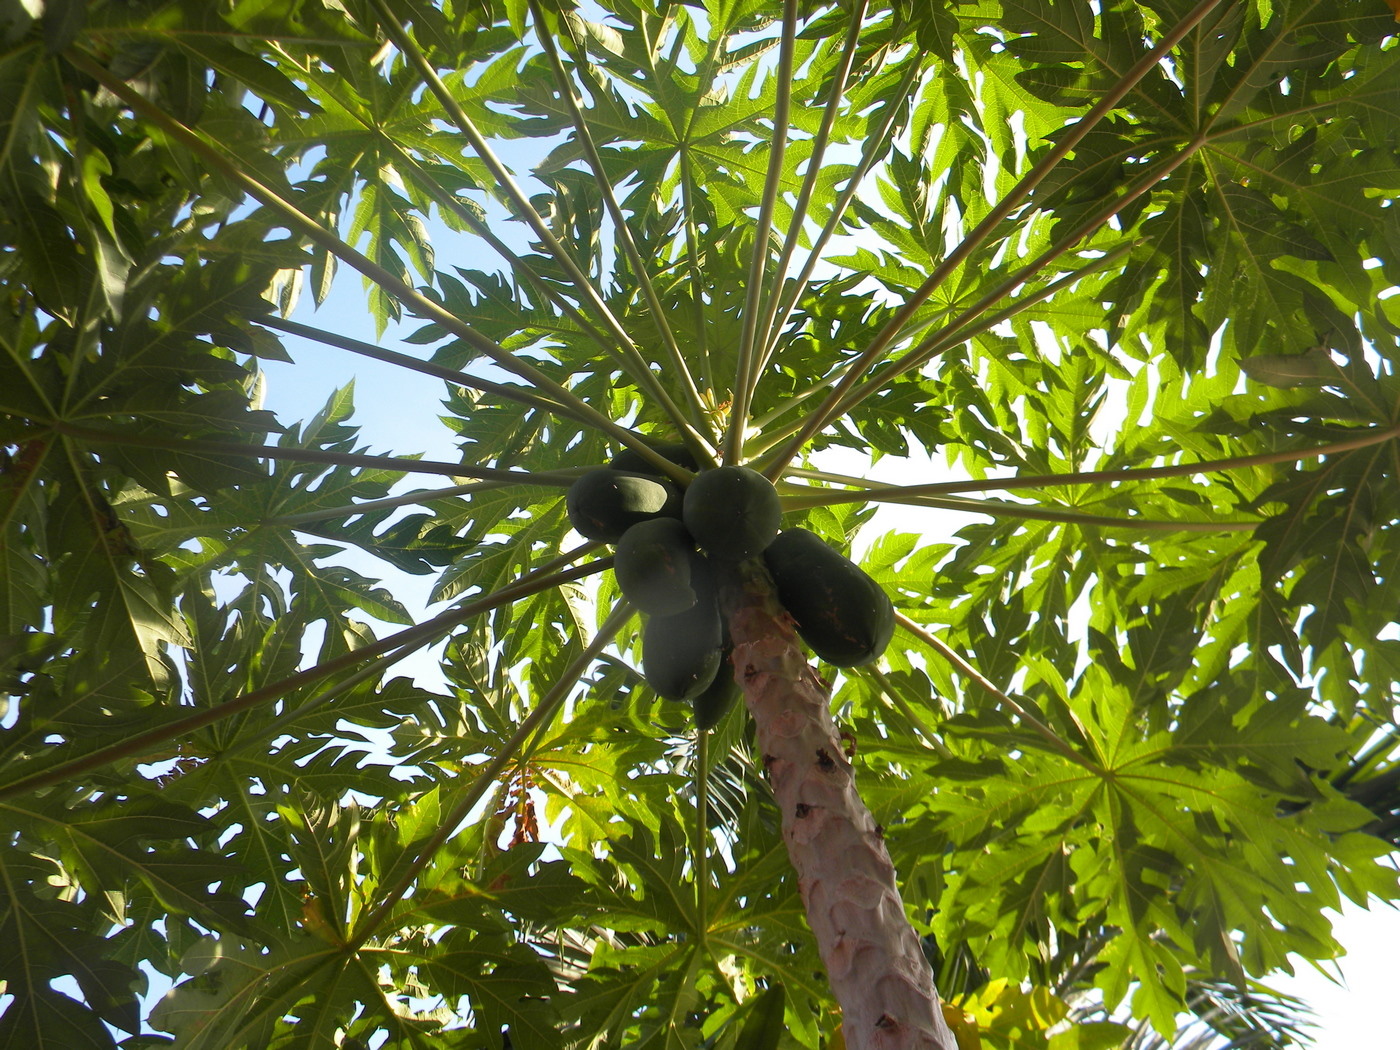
(670, 546)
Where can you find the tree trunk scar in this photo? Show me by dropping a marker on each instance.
(873, 957)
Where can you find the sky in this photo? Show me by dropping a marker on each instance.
(1359, 1012)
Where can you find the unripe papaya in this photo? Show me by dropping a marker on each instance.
(733, 512)
(714, 703)
(605, 503)
(631, 460)
(681, 654)
(653, 566)
(842, 614)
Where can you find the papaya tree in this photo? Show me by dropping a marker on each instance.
(1109, 286)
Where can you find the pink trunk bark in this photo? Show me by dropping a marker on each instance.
(873, 959)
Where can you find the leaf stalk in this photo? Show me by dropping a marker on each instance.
(195, 446)
(1057, 743)
(1373, 436)
(392, 284)
(487, 774)
(678, 364)
(639, 370)
(521, 395)
(983, 230)
(746, 370)
(767, 329)
(142, 743)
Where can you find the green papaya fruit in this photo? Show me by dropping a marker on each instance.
(733, 512)
(605, 503)
(631, 460)
(653, 566)
(714, 703)
(842, 614)
(681, 654)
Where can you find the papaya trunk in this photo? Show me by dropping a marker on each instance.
(872, 955)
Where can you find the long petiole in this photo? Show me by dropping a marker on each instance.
(984, 229)
(745, 372)
(969, 323)
(312, 455)
(630, 355)
(700, 850)
(284, 721)
(680, 368)
(697, 282)
(409, 499)
(521, 395)
(297, 220)
(890, 693)
(951, 333)
(419, 497)
(487, 774)
(446, 201)
(1372, 436)
(767, 329)
(143, 743)
(872, 149)
(763, 422)
(1056, 742)
(972, 322)
(1004, 509)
